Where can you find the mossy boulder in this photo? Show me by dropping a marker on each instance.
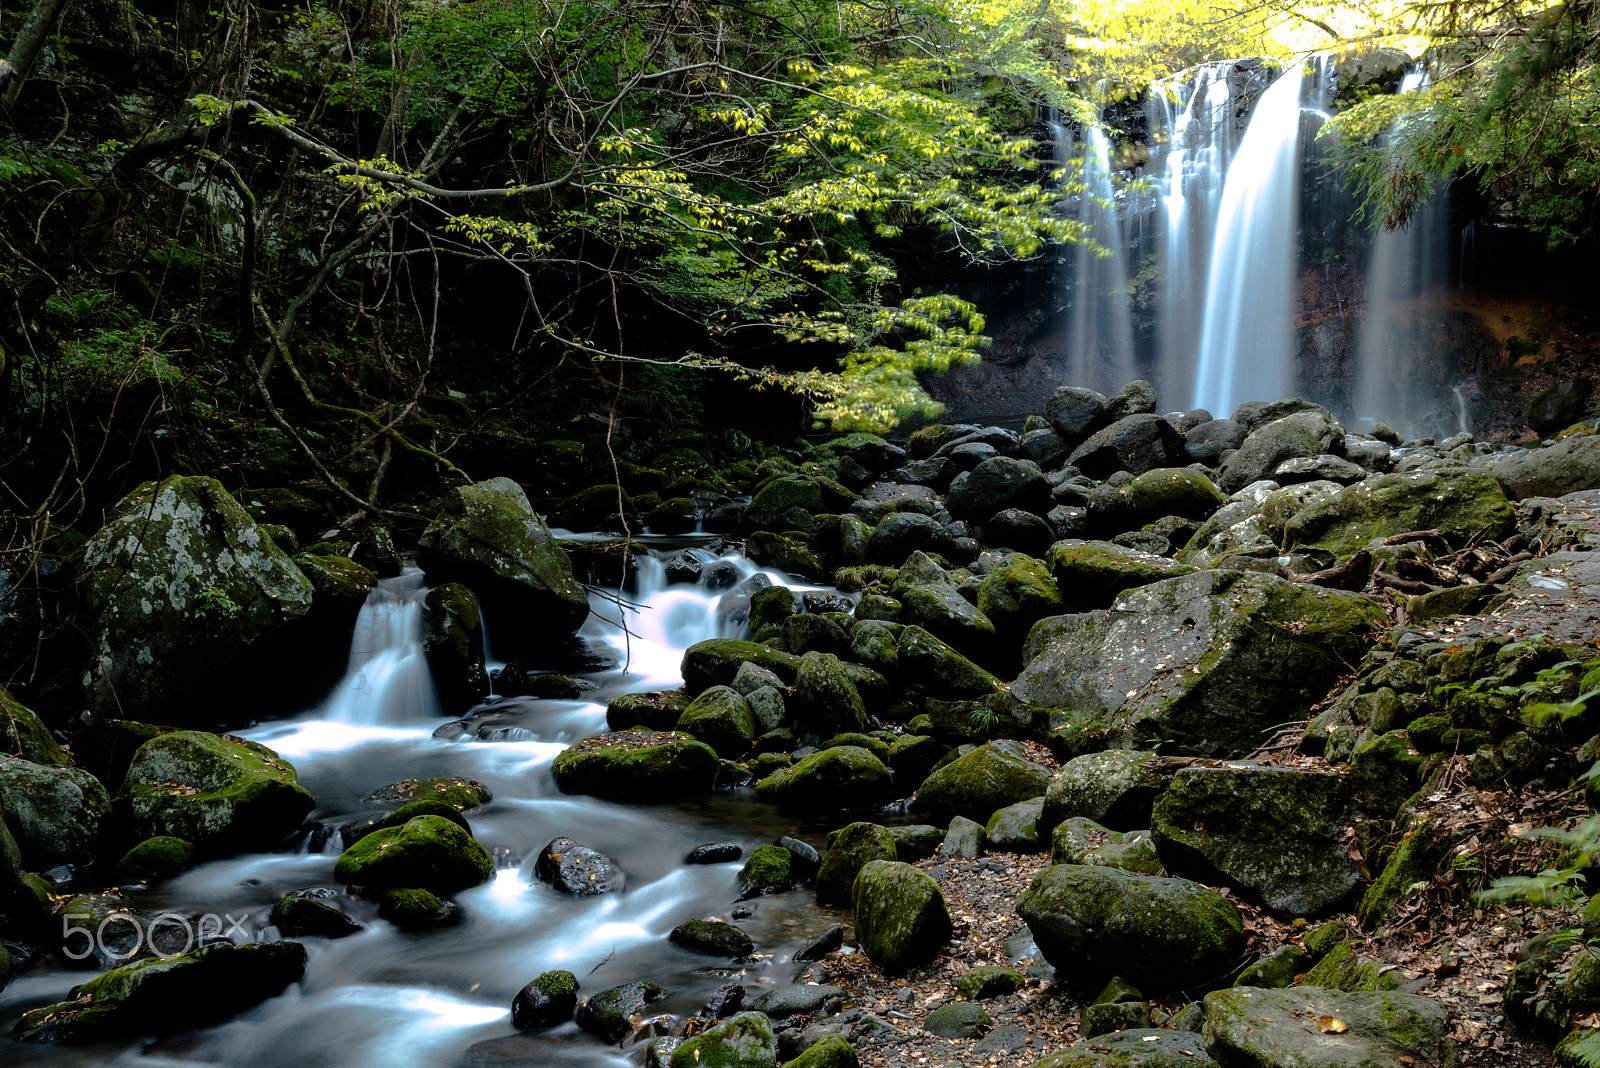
(1385, 773)
(957, 1020)
(412, 906)
(900, 915)
(654, 710)
(845, 776)
(1341, 969)
(301, 915)
(1015, 828)
(1248, 1025)
(745, 1040)
(1277, 969)
(1018, 594)
(722, 719)
(1204, 662)
(831, 1051)
(716, 661)
(609, 1015)
(988, 981)
(355, 830)
(1135, 1047)
(165, 994)
(990, 777)
(55, 813)
(23, 734)
(185, 583)
(548, 1001)
(1458, 502)
(1175, 491)
(1160, 934)
(636, 765)
(939, 670)
(849, 850)
(488, 538)
(1414, 860)
(1117, 787)
(1090, 574)
(825, 699)
(452, 642)
(157, 857)
(1083, 841)
(460, 794)
(1276, 833)
(428, 852)
(712, 938)
(221, 794)
(769, 508)
(769, 869)
(786, 553)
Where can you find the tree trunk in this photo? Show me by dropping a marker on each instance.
(14, 69)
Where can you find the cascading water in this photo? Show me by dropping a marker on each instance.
(1245, 340)
(387, 996)
(1408, 266)
(1099, 326)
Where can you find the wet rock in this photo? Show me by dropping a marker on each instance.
(548, 1001)
(414, 907)
(652, 711)
(769, 870)
(428, 852)
(712, 938)
(303, 914)
(718, 853)
(806, 860)
(156, 858)
(1276, 833)
(992, 776)
(573, 868)
(163, 994)
(845, 776)
(488, 538)
(825, 699)
(997, 484)
(827, 942)
(222, 795)
(1250, 1026)
(769, 507)
(1075, 413)
(849, 850)
(1136, 444)
(452, 642)
(722, 719)
(900, 915)
(1461, 504)
(1277, 969)
(459, 794)
(55, 813)
(716, 661)
(742, 1041)
(1204, 661)
(1305, 433)
(1561, 405)
(23, 734)
(609, 1014)
(636, 765)
(1206, 442)
(1161, 934)
(186, 582)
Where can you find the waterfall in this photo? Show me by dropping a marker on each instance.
(1099, 326)
(1246, 344)
(1393, 381)
(387, 681)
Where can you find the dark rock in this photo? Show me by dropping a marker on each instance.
(1136, 444)
(900, 915)
(1561, 405)
(712, 938)
(1305, 433)
(548, 1001)
(960, 1019)
(767, 871)
(609, 1014)
(997, 484)
(1135, 398)
(1075, 413)
(718, 853)
(303, 914)
(849, 850)
(800, 999)
(1021, 530)
(992, 776)
(1206, 442)
(429, 852)
(827, 942)
(573, 868)
(636, 765)
(55, 813)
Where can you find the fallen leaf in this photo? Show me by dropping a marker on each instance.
(1328, 1025)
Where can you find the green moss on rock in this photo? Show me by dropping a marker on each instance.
(636, 765)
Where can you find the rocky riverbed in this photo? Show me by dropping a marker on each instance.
(1131, 738)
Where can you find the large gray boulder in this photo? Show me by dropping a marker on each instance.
(998, 483)
(488, 537)
(1160, 934)
(1075, 413)
(900, 915)
(1249, 1027)
(54, 813)
(1307, 433)
(221, 795)
(1460, 503)
(1565, 467)
(1137, 443)
(183, 581)
(1135, 1047)
(1116, 787)
(1204, 662)
(990, 777)
(1274, 832)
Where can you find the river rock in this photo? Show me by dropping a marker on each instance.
(996, 484)
(429, 852)
(850, 849)
(1460, 503)
(1117, 787)
(898, 536)
(186, 582)
(939, 669)
(1014, 828)
(163, 994)
(1257, 1028)
(304, 914)
(548, 1001)
(1083, 841)
(1304, 433)
(1177, 491)
(1135, 1047)
(1090, 574)
(1075, 413)
(900, 915)
(1136, 444)
(1206, 442)
(742, 1041)
(722, 719)
(825, 699)
(1159, 934)
(1017, 594)
(1203, 661)
(713, 938)
(573, 868)
(220, 794)
(1567, 466)
(845, 776)
(55, 813)
(452, 643)
(23, 734)
(992, 776)
(157, 858)
(768, 870)
(636, 765)
(1324, 468)
(1274, 832)
(609, 1015)
(769, 508)
(1285, 504)
(488, 537)
(715, 662)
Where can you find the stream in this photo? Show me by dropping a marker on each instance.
(387, 996)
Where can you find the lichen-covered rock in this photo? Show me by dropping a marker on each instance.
(548, 1001)
(900, 914)
(1083, 841)
(23, 734)
(429, 852)
(1014, 828)
(488, 538)
(768, 870)
(636, 765)
(1203, 661)
(1276, 833)
(220, 794)
(1304, 433)
(185, 581)
(825, 700)
(722, 719)
(609, 1015)
(1460, 503)
(988, 981)
(1090, 574)
(1018, 594)
(846, 776)
(54, 813)
(850, 849)
(157, 857)
(163, 994)
(1160, 934)
(712, 938)
(1117, 787)
(1268, 1028)
(1175, 491)
(990, 777)
(1564, 467)
(1414, 860)
(742, 1041)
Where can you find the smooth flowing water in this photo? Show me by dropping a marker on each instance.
(1099, 327)
(388, 997)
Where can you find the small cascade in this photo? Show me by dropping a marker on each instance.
(1099, 326)
(1396, 380)
(387, 682)
(1246, 342)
